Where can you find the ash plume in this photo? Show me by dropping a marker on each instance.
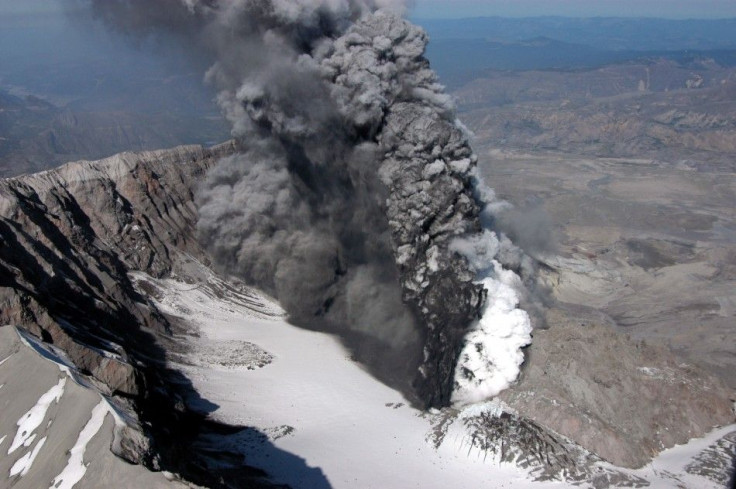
(355, 184)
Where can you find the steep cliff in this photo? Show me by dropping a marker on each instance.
(68, 238)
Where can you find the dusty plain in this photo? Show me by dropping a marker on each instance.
(631, 228)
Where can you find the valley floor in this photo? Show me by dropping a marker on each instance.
(646, 246)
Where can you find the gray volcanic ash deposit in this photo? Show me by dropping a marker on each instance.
(355, 181)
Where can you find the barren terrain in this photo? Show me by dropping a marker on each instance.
(626, 196)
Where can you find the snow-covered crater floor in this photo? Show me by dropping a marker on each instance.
(315, 403)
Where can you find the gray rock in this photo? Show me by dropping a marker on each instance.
(545, 454)
(68, 238)
(25, 376)
(717, 462)
(623, 400)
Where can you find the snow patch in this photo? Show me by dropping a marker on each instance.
(648, 371)
(493, 408)
(117, 415)
(3, 439)
(23, 464)
(75, 467)
(209, 300)
(28, 423)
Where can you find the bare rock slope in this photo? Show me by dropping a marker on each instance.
(70, 235)
(68, 238)
(622, 399)
(72, 417)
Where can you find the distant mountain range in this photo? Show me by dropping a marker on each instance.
(97, 95)
(464, 49)
(609, 34)
(36, 134)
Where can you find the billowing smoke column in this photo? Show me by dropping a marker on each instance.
(354, 202)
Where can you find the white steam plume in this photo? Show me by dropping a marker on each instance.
(492, 355)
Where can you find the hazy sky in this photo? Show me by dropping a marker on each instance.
(29, 6)
(515, 8)
(577, 8)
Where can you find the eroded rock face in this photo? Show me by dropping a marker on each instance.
(624, 400)
(68, 238)
(545, 454)
(26, 375)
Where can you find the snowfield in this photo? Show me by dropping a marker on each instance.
(320, 420)
(316, 419)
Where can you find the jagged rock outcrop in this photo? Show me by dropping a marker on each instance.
(68, 239)
(70, 236)
(547, 456)
(494, 432)
(27, 373)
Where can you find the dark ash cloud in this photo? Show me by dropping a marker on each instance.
(355, 180)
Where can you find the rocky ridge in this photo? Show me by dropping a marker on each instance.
(69, 238)
(28, 370)
(657, 109)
